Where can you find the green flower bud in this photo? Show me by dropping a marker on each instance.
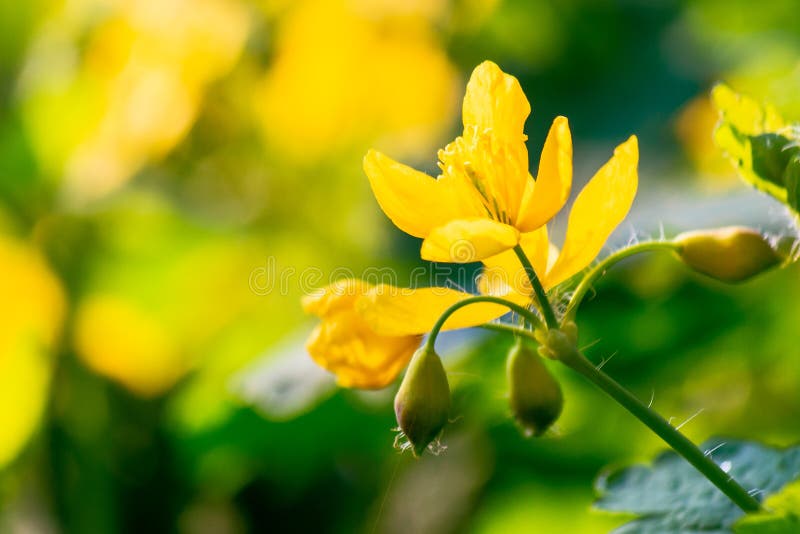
(730, 254)
(535, 396)
(423, 400)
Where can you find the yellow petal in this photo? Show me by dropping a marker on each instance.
(544, 198)
(597, 211)
(360, 358)
(503, 273)
(489, 283)
(494, 101)
(338, 295)
(468, 240)
(395, 311)
(415, 202)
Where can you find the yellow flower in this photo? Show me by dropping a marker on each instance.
(134, 90)
(597, 211)
(345, 73)
(485, 197)
(368, 333)
(483, 204)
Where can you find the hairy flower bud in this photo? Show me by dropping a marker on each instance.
(535, 396)
(423, 400)
(730, 254)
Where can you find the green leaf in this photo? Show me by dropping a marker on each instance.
(771, 154)
(791, 178)
(767, 524)
(284, 383)
(743, 113)
(671, 496)
(756, 139)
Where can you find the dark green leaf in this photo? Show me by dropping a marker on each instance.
(756, 139)
(771, 153)
(672, 496)
(791, 178)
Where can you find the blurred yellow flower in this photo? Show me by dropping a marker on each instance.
(30, 322)
(368, 333)
(164, 300)
(485, 198)
(598, 209)
(694, 128)
(135, 94)
(345, 73)
(118, 340)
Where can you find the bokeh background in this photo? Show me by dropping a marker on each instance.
(164, 162)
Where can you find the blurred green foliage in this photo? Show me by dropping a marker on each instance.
(154, 157)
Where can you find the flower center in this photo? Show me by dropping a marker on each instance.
(488, 170)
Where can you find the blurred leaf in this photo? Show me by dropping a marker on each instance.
(672, 496)
(767, 524)
(284, 383)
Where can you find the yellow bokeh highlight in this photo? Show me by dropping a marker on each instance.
(343, 75)
(119, 340)
(135, 93)
(25, 370)
(31, 316)
(161, 307)
(694, 128)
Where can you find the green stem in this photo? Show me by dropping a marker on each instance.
(538, 289)
(600, 269)
(524, 312)
(680, 443)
